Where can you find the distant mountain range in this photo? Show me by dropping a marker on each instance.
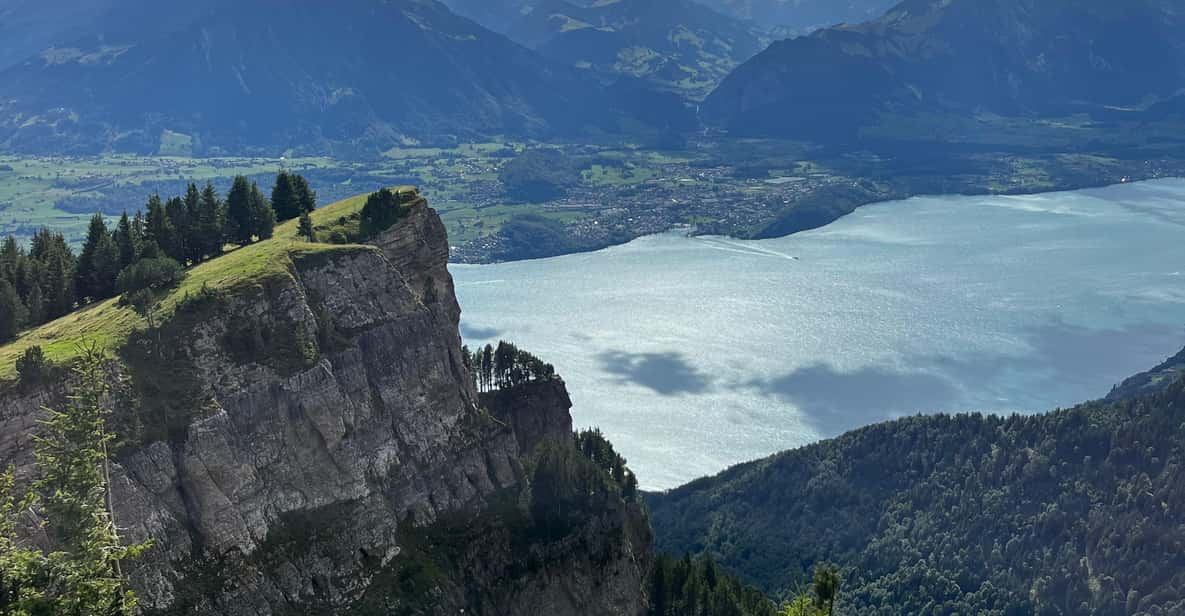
(678, 44)
(497, 15)
(1021, 58)
(274, 74)
(360, 76)
(787, 16)
(801, 16)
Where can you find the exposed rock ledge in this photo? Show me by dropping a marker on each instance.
(311, 470)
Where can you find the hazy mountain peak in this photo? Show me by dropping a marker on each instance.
(276, 72)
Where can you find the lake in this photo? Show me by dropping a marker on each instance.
(693, 354)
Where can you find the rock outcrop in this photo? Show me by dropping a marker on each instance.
(314, 444)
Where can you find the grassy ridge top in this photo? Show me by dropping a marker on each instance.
(108, 325)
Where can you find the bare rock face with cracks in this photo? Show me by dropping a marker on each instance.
(347, 465)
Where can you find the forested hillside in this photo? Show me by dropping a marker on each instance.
(1076, 512)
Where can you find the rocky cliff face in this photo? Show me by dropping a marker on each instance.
(313, 444)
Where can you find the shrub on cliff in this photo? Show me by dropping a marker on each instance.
(382, 210)
(33, 368)
(150, 274)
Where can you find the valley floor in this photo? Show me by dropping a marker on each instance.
(740, 188)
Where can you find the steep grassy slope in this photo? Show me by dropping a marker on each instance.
(108, 325)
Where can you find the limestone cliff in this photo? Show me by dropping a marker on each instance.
(312, 444)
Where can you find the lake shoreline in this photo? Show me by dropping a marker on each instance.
(819, 211)
(698, 353)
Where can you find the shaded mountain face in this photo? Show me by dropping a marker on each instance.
(801, 15)
(1076, 512)
(678, 44)
(282, 73)
(1008, 57)
(497, 15)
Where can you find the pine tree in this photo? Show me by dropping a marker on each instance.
(127, 241)
(487, 366)
(825, 586)
(84, 576)
(240, 226)
(12, 312)
(211, 223)
(306, 229)
(55, 270)
(158, 228)
(10, 256)
(98, 264)
(263, 217)
(35, 306)
(174, 245)
(380, 211)
(188, 226)
(284, 197)
(138, 231)
(305, 196)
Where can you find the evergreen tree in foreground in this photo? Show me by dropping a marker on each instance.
(284, 198)
(128, 240)
(159, 233)
(239, 226)
(98, 264)
(379, 213)
(210, 226)
(306, 229)
(263, 217)
(83, 575)
(305, 196)
(291, 196)
(54, 266)
(12, 314)
(248, 213)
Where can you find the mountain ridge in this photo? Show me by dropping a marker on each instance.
(282, 75)
(1010, 57)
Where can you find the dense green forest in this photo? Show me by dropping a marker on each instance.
(48, 280)
(1076, 512)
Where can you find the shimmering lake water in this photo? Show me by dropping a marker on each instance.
(693, 354)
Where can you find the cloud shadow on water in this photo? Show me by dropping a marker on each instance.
(668, 374)
(835, 401)
(1062, 358)
(476, 332)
